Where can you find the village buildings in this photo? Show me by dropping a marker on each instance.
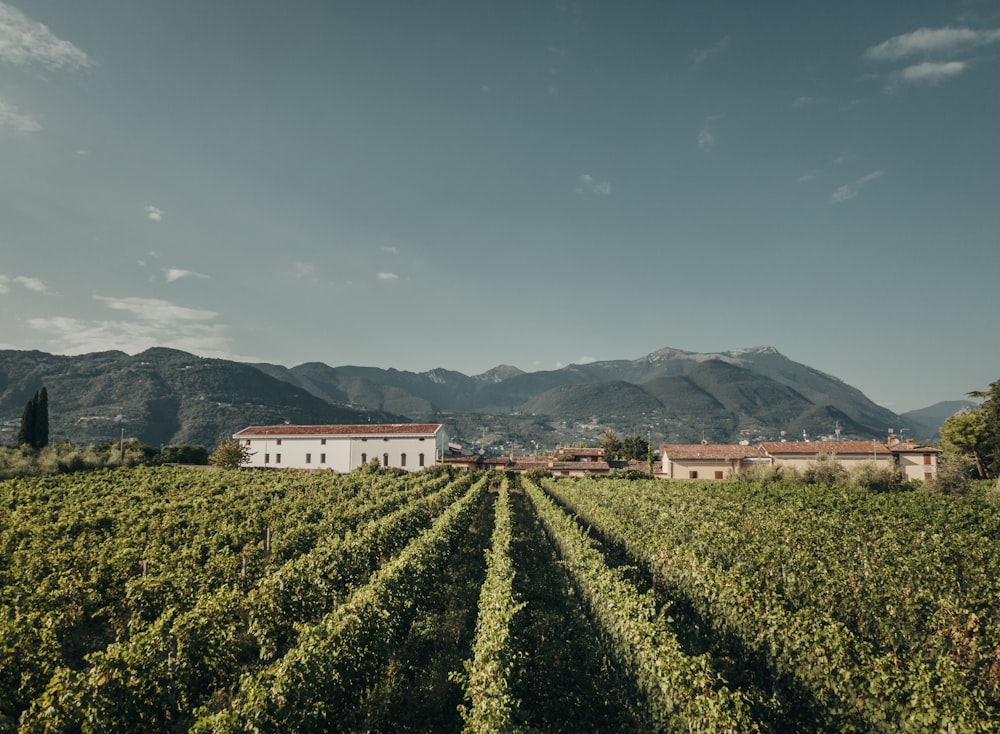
(412, 447)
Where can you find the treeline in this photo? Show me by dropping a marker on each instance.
(65, 457)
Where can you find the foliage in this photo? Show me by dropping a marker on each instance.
(967, 432)
(990, 411)
(184, 454)
(825, 471)
(611, 444)
(875, 478)
(230, 455)
(634, 448)
(34, 429)
(954, 471)
(537, 473)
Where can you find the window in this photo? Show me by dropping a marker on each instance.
(718, 475)
(364, 458)
(322, 442)
(928, 476)
(692, 475)
(927, 459)
(402, 459)
(322, 458)
(248, 442)
(385, 459)
(277, 441)
(420, 459)
(277, 458)
(267, 458)
(309, 458)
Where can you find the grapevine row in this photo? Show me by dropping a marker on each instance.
(492, 707)
(337, 658)
(849, 680)
(683, 692)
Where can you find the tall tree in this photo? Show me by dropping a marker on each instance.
(968, 434)
(611, 444)
(34, 430)
(26, 433)
(990, 411)
(42, 419)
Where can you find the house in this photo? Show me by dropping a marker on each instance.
(849, 454)
(343, 448)
(707, 460)
(914, 461)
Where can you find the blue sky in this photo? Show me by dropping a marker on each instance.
(420, 184)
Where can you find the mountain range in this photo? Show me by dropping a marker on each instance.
(165, 396)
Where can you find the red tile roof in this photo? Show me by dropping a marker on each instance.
(709, 451)
(812, 448)
(364, 429)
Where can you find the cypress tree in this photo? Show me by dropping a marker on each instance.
(26, 433)
(42, 420)
(34, 430)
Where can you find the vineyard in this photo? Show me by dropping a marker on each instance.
(176, 600)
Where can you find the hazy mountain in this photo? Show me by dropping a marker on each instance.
(167, 396)
(927, 422)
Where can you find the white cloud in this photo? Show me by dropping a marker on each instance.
(153, 214)
(32, 284)
(12, 118)
(932, 71)
(156, 309)
(806, 177)
(591, 184)
(585, 360)
(927, 41)
(802, 101)
(149, 322)
(172, 274)
(301, 271)
(387, 276)
(705, 139)
(390, 249)
(849, 191)
(24, 41)
(700, 56)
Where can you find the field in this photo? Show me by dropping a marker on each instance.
(173, 600)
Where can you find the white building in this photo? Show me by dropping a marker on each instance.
(410, 446)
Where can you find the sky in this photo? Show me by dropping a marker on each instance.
(420, 184)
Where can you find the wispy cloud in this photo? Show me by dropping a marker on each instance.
(806, 177)
(850, 190)
(11, 118)
(700, 56)
(931, 41)
(25, 281)
(24, 41)
(588, 183)
(387, 276)
(146, 322)
(705, 139)
(172, 274)
(153, 214)
(802, 101)
(300, 271)
(932, 71)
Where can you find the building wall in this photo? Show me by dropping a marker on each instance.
(917, 466)
(802, 462)
(345, 453)
(705, 468)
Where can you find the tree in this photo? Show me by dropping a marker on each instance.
(230, 455)
(610, 443)
(967, 433)
(34, 430)
(990, 410)
(635, 448)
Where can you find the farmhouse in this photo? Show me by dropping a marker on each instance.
(343, 448)
(914, 461)
(849, 454)
(708, 461)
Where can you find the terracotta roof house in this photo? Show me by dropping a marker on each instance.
(343, 448)
(708, 460)
(913, 461)
(849, 454)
